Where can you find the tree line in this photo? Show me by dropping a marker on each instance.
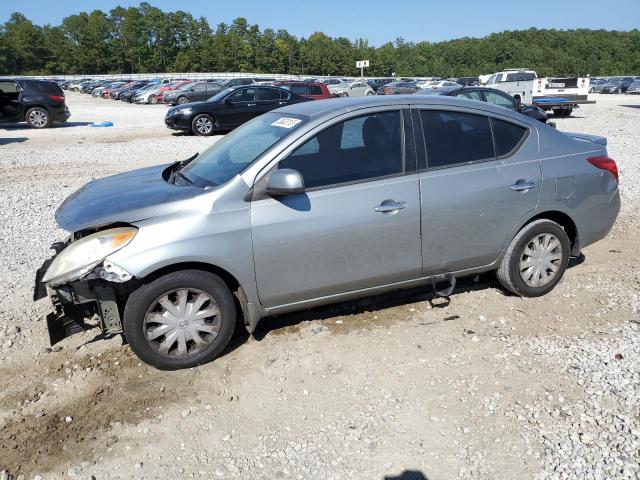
(145, 39)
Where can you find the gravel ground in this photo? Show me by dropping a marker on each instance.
(486, 386)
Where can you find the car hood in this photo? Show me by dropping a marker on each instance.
(123, 198)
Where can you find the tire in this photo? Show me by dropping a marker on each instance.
(534, 235)
(203, 125)
(153, 99)
(38, 117)
(214, 331)
(182, 100)
(368, 94)
(344, 94)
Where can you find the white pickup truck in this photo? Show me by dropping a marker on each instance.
(561, 95)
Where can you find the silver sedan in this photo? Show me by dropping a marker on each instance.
(351, 89)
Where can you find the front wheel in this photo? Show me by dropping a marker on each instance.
(535, 260)
(180, 320)
(203, 125)
(153, 99)
(38, 117)
(344, 94)
(369, 93)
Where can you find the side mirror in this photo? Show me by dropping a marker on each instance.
(285, 182)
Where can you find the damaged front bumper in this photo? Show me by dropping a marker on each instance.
(76, 302)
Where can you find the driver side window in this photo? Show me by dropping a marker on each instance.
(243, 95)
(361, 148)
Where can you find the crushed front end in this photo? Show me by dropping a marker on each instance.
(101, 292)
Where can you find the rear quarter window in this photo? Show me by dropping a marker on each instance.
(508, 137)
(315, 90)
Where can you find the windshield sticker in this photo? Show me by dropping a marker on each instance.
(286, 122)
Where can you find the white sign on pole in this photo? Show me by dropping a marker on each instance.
(362, 63)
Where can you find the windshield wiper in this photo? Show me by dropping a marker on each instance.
(178, 173)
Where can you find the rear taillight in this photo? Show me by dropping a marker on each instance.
(605, 163)
(57, 98)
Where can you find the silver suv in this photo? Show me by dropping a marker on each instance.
(321, 202)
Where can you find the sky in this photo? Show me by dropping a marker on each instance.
(378, 21)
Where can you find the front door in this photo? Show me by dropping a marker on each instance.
(10, 101)
(240, 107)
(358, 224)
(474, 191)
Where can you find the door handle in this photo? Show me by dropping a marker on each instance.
(251, 104)
(521, 186)
(390, 207)
(281, 103)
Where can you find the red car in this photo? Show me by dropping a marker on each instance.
(317, 91)
(168, 88)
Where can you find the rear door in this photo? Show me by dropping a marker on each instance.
(10, 101)
(473, 192)
(266, 99)
(356, 226)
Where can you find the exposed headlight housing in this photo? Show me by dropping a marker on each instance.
(83, 255)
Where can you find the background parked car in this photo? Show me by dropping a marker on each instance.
(229, 109)
(467, 81)
(40, 103)
(376, 83)
(129, 95)
(195, 92)
(351, 89)
(617, 85)
(634, 88)
(396, 88)
(144, 96)
(313, 90)
(115, 94)
(490, 95)
(437, 84)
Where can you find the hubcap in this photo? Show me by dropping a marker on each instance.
(541, 260)
(38, 118)
(182, 323)
(182, 100)
(204, 125)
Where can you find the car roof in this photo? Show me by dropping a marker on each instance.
(344, 105)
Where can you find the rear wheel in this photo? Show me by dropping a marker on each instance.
(38, 117)
(180, 320)
(369, 93)
(182, 100)
(535, 260)
(344, 94)
(153, 99)
(203, 125)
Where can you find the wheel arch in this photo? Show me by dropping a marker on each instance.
(250, 312)
(562, 219)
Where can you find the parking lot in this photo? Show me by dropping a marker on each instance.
(484, 386)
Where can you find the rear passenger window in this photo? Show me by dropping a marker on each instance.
(357, 149)
(299, 89)
(267, 94)
(315, 90)
(507, 136)
(453, 138)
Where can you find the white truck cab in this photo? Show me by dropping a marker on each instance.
(561, 95)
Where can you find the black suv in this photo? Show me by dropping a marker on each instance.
(37, 102)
